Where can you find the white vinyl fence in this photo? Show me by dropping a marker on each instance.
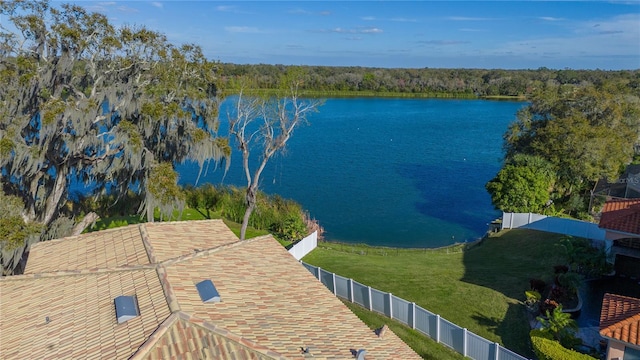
(304, 246)
(553, 224)
(410, 314)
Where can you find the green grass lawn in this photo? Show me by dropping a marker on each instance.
(478, 287)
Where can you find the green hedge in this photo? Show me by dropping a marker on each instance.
(546, 348)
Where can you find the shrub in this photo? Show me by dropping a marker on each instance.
(533, 301)
(546, 348)
(548, 305)
(561, 326)
(570, 281)
(584, 258)
(284, 218)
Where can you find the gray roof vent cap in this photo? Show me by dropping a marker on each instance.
(361, 353)
(126, 308)
(207, 291)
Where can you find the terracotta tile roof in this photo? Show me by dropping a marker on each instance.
(198, 340)
(621, 215)
(620, 318)
(182, 238)
(273, 301)
(107, 249)
(81, 312)
(271, 305)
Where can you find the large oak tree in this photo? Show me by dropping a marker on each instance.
(586, 132)
(84, 102)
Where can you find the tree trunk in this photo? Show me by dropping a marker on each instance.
(245, 221)
(252, 192)
(53, 200)
(89, 219)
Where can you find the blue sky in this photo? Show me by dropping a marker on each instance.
(407, 34)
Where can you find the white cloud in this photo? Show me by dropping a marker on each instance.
(396, 19)
(128, 10)
(101, 7)
(550, 18)
(157, 4)
(623, 24)
(306, 12)
(300, 11)
(368, 30)
(225, 8)
(601, 39)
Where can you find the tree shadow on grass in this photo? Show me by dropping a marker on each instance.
(510, 329)
(506, 264)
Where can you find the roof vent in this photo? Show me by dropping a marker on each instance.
(361, 353)
(207, 291)
(126, 308)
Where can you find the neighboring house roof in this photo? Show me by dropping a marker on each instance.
(626, 186)
(621, 215)
(620, 318)
(271, 306)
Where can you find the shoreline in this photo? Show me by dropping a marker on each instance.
(466, 244)
(407, 95)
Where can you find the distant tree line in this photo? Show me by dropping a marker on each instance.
(435, 82)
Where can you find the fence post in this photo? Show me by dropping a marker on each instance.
(413, 315)
(319, 273)
(438, 328)
(333, 280)
(464, 341)
(370, 301)
(390, 306)
(351, 290)
(497, 357)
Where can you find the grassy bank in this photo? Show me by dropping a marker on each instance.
(479, 288)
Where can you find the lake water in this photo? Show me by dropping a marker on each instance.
(390, 172)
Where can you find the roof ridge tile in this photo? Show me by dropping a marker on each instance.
(82, 272)
(205, 252)
(144, 236)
